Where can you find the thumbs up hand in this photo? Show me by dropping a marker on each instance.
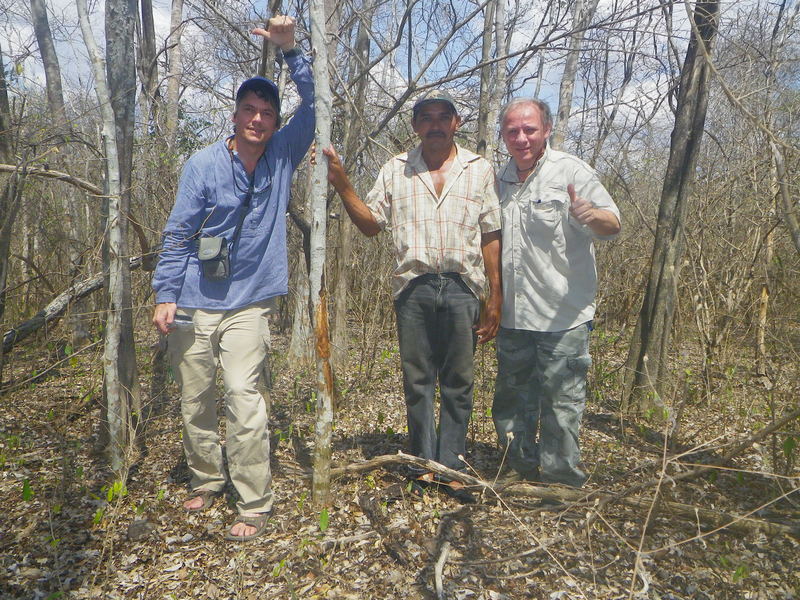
(583, 211)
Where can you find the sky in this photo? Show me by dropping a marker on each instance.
(17, 38)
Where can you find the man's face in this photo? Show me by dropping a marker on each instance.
(436, 125)
(525, 135)
(255, 120)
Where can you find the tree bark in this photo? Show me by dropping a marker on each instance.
(52, 71)
(8, 198)
(353, 132)
(5, 117)
(120, 380)
(646, 367)
(148, 64)
(174, 72)
(269, 52)
(318, 296)
(484, 134)
(583, 11)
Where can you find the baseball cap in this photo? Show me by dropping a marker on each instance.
(435, 96)
(260, 84)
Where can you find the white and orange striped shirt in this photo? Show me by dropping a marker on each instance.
(436, 234)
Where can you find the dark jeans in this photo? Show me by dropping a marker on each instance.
(435, 316)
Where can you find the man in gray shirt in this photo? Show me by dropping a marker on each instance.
(553, 206)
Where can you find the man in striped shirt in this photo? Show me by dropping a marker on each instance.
(441, 204)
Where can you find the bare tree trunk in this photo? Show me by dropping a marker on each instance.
(52, 71)
(484, 134)
(789, 216)
(120, 381)
(300, 351)
(353, 132)
(6, 151)
(318, 297)
(175, 68)
(583, 11)
(10, 202)
(9, 199)
(646, 368)
(269, 52)
(502, 43)
(148, 63)
(55, 101)
(80, 330)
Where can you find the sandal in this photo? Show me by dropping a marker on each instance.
(258, 521)
(419, 485)
(457, 491)
(207, 496)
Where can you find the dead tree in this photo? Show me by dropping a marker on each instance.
(52, 70)
(174, 59)
(646, 368)
(583, 12)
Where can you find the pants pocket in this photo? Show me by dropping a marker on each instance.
(575, 382)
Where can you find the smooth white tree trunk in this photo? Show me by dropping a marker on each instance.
(318, 299)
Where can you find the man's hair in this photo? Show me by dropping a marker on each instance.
(544, 109)
(262, 92)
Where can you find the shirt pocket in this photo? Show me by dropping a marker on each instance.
(470, 219)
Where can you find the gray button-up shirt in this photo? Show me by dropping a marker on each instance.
(549, 275)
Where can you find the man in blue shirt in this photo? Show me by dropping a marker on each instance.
(236, 191)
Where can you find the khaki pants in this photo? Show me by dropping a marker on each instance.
(238, 341)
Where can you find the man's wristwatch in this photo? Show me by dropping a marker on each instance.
(290, 53)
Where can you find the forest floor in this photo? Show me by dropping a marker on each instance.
(66, 531)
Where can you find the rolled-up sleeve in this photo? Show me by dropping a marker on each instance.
(379, 199)
(490, 218)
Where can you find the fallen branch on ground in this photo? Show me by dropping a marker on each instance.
(582, 498)
(57, 307)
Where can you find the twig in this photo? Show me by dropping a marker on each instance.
(11, 386)
(437, 572)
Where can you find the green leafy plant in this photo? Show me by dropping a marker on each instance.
(27, 491)
(740, 573)
(789, 446)
(278, 568)
(324, 518)
(116, 490)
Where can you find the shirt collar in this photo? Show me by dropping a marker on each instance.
(462, 159)
(509, 172)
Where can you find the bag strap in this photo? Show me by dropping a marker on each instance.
(243, 212)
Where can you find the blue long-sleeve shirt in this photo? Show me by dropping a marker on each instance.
(211, 192)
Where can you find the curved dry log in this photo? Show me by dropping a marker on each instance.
(571, 496)
(57, 307)
(401, 458)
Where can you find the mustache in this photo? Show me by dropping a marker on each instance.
(435, 134)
